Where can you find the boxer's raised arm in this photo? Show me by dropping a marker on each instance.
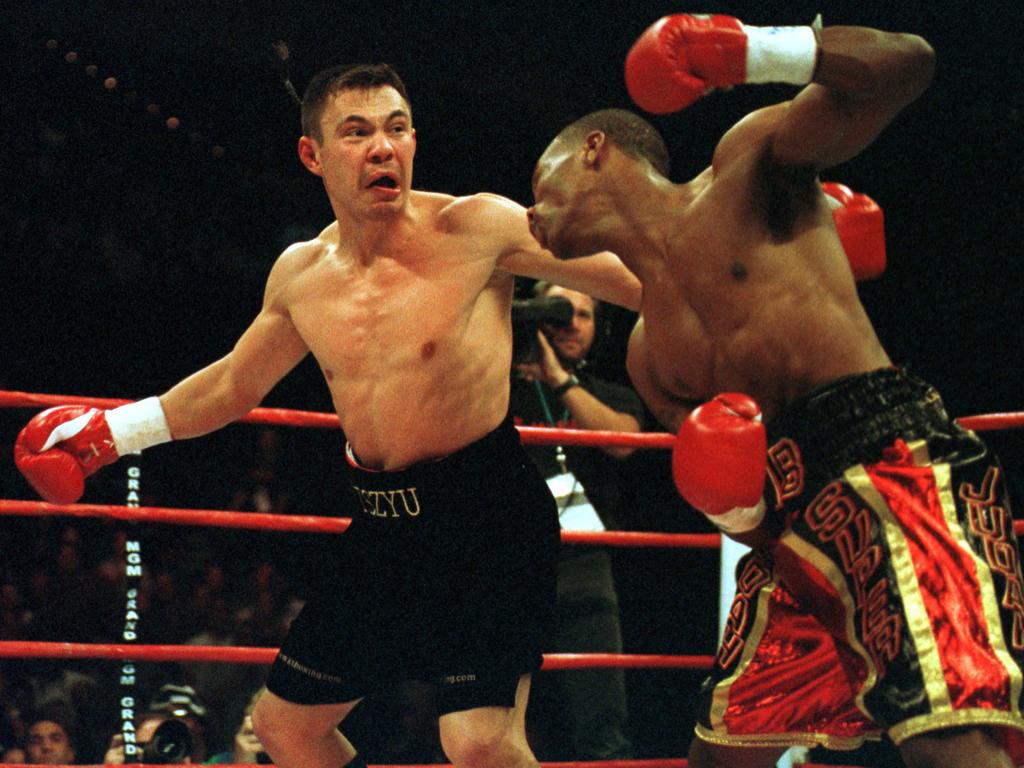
(859, 78)
(864, 78)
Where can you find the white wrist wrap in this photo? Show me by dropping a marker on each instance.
(137, 426)
(781, 54)
(739, 519)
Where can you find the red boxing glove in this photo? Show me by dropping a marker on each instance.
(681, 57)
(720, 460)
(861, 227)
(62, 446)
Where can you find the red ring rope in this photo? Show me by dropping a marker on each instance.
(249, 655)
(266, 521)
(647, 763)
(215, 518)
(672, 762)
(530, 435)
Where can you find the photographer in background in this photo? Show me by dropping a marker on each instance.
(552, 387)
(171, 730)
(247, 747)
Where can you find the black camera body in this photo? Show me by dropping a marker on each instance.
(527, 316)
(171, 743)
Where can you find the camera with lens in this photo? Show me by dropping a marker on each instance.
(527, 316)
(171, 743)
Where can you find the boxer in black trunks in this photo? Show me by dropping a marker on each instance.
(405, 303)
(418, 569)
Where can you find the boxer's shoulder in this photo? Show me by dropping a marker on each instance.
(299, 263)
(470, 213)
(300, 257)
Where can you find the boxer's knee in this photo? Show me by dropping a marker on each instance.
(280, 724)
(270, 720)
(486, 737)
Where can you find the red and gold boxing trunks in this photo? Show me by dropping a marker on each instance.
(891, 599)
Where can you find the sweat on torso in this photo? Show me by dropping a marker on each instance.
(735, 309)
(415, 347)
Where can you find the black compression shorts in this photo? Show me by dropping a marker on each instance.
(447, 574)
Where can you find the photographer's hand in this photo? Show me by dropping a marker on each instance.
(546, 368)
(528, 371)
(115, 750)
(247, 744)
(550, 370)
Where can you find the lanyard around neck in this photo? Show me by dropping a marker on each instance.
(559, 450)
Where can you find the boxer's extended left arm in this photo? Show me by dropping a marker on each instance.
(62, 446)
(719, 462)
(602, 275)
(859, 78)
(228, 389)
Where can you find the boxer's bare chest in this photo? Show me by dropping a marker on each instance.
(406, 306)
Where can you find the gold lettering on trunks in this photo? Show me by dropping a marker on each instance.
(786, 469)
(755, 574)
(836, 516)
(402, 502)
(990, 521)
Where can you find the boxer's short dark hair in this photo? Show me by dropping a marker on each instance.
(344, 77)
(628, 131)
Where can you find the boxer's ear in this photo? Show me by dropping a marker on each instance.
(595, 146)
(309, 154)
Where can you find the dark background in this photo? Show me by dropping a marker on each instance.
(133, 255)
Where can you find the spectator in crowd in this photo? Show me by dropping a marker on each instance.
(12, 727)
(51, 736)
(225, 689)
(13, 754)
(69, 602)
(262, 488)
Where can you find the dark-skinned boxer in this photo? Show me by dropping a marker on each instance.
(884, 590)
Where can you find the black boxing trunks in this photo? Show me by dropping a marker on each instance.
(892, 598)
(447, 574)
